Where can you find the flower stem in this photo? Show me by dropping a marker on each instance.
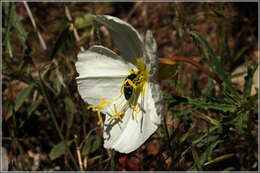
(55, 122)
(196, 64)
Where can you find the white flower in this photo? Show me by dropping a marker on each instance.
(124, 88)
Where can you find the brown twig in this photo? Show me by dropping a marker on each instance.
(34, 25)
(76, 35)
(137, 4)
(196, 64)
(79, 159)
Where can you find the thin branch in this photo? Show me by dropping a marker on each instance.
(34, 25)
(137, 4)
(52, 115)
(79, 159)
(196, 64)
(76, 35)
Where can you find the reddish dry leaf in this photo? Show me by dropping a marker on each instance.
(152, 148)
(256, 155)
(129, 164)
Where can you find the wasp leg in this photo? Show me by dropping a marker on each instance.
(130, 83)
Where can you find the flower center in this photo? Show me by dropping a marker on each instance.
(133, 86)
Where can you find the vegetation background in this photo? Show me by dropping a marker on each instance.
(208, 125)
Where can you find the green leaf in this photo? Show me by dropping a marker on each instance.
(58, 150)
(70, 110)
(216, 106)
(203, 55)
(205, 44)
(249, 78)
(8, 9)
(91, 145)
(211, 129)
(207, 140)
(60, 41)
(241, 121)
(217, 66)
(220, 158)
(209, 119)
(185, 136)
(240, 53)
(209, 89)
(32, 108)
(238, 74)
(12, 20)
(207, 154)
(83, 22)
(22, 97)
(196, 158)
(21, 33)
(229, 169)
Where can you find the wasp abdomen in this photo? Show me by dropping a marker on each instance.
(128, 89)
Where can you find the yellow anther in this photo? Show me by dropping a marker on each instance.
(139, 64)
(103, 102)
(136, 109)
(117, 114)
(99, 108)
(100, 119)
(92, 107)
(137, 80)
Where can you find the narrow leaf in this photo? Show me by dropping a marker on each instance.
(60, 41)
(196, 158)
(58, 150)
(91, 145)
(203, 105)
(205, 44)
(22, 97)
(70, 110)
(21, 33)
(220, 158)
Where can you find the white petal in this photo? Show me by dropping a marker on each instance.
(127, 135)
(90, 89)
(126, 38)
(99, 61)
(154, 102)
(101, 74)
(151, 57)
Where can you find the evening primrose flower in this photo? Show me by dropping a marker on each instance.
(122, 87)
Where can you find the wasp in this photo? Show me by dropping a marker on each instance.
(128, 89)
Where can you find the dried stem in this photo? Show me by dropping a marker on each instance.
(76, 35)
(79, 159)
(196, 64)
(34, 25)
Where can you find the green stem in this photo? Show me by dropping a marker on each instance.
(56, 123)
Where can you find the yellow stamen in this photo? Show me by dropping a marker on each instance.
(139, 86)
(99, 108)
(136, 109)
(117, 114)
